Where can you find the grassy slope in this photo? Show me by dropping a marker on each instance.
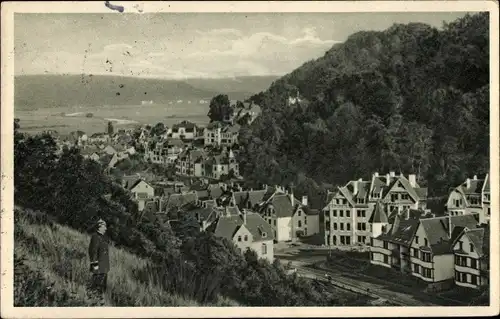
(56, 257)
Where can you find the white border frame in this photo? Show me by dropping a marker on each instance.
(7, 19)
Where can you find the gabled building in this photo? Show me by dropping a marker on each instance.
(215, 166)
(289, 218)
(184, 130)
(349, 209)
(247, 230)
(191, 162)
(390, 243)
(471, 197)
(431, 250)
(472, 250)
(221, 134)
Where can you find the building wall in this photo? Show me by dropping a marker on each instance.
(443, 267)
(467, 268)
(257, 247)
(377, 253)
(284, 228)
(239, 238)
(143, 187)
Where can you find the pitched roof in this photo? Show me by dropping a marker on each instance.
(378, 214)
(282, 205)
(475, 188)
(130, 181)
(185, 124)
(436, 230)
(181, 199)
(404, 232)
(215, 191)
(175, 142)
(227, 226)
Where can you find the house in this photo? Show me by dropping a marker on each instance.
(249, 199)
(247, 230)
(216, 166)
(98, 138)
(349, 209)
(289, 217)
(471, 197)
(191, 162)
(390, 243)
(431, 253)
(221, 134)
(471, 253)
(184, 130)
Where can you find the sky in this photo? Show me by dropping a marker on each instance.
(186, 45)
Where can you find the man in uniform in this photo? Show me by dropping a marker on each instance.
(99, 259)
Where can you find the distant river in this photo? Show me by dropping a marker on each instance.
(67, 119)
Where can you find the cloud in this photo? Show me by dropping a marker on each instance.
(220, 32)
(213, 53)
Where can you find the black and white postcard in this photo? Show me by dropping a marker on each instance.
(246, 159)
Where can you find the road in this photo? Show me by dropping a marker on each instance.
(356, 285)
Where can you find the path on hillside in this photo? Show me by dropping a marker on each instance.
(375, 290)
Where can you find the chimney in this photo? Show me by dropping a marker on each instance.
(412, 178)
(468, 182)
(392, 174)
(388, 179)
(244, 213)
(475, 177)
(304, 200)
(375, 174)
(355, 184)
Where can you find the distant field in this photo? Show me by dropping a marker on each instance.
(67, 119)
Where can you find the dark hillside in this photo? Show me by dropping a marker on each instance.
(411, 98)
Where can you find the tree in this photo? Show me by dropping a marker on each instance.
(220, 108)
(158, 129)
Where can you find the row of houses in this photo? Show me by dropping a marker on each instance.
(354, 212)
(440, 251)
(211, 164)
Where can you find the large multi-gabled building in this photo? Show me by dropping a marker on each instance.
(349, 209)
(471, 197)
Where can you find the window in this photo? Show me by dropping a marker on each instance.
(416, 268)
(460, 245)
(405, 196)
(358, 225)
(348, 225)
(363, 226)
(341, 226)
(299, 213)
(473, 279)
(245, 238)
(334, 226)
(416, 239)
(415, 252)
(386, 259)
(264, 234)
(335, 240)
(341, 213)
(342, 240)
(426, 257)
(371, 241)
(457, 203)
(275, 222)
(426, 272)
(363, 213)
(264, 249)
(305, 220)
(371, 256)
(471, 248)
(394, 197)
(348, 240)
(348, 213)
(359, 239)
(300, 223)
(425, 242)
(386, 245)
(473, 263)
(334, 213)
(239, 238)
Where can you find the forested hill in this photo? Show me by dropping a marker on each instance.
(411, 98)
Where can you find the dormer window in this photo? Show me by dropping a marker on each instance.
(471, 248)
